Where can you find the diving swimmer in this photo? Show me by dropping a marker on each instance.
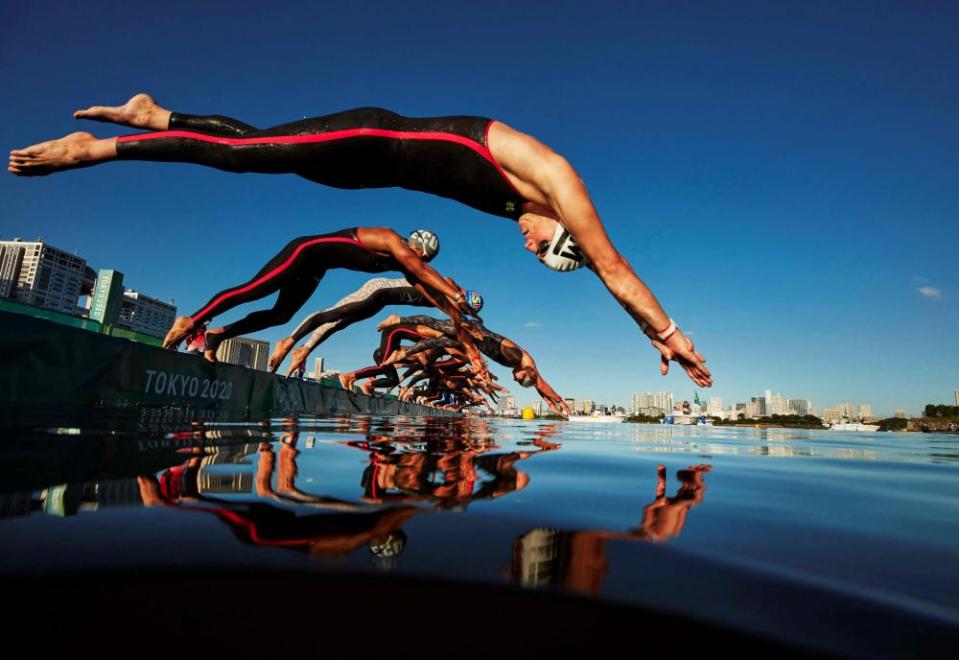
(297, 269)
(496, 347)
(479, 162)
(364, 303)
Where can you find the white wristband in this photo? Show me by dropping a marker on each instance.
(668, 331)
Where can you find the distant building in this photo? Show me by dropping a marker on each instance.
(865, 410)
(658, 402)
(588, 406)
(142, 313)
(38, 274)
(900, 413)
(956, 393)
(507, 406)
(317, 368)
(800, 406)
(245, 352)
(715, 407)
(107, 297)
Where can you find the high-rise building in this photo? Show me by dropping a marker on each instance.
(715, 407)
(41, 275)
(658, 403)
(865, 410)
(956, 393)
(800, 406)
(900, 413)
(317, 368)
(245, 352)
(144, 314)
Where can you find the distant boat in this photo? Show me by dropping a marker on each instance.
(853, 426)
(598, 419)
(687, 420)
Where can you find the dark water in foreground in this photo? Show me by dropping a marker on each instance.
(782, 534)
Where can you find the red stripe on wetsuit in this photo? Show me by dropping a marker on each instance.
(276, 271)
(331, 136)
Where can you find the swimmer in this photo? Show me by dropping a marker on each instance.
(360, 305)
(297, 269)
(496, 347)
(390, 341)
(479, 162)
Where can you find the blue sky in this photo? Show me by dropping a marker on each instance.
(783, 175)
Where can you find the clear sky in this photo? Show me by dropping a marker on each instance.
(783, 175)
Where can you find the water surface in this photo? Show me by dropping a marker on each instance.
(777, 533)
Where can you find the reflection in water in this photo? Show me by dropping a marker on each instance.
(577, 559)
(541, 505)
(440, 467)
(248, 477)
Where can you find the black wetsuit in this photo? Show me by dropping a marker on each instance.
(390, 339)
(361, 148)
(295, 272)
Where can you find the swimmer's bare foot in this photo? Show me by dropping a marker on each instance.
(279, 353)
(367, 388)
(346, 381)
(141, 111)
(210, 353)
(390, 320)
(298, 361)
(179, 331)
(78, 149)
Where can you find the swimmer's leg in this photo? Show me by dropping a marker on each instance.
(272, 277)
(323, 324)
(331, 150)
(141, 111)
(293, 295)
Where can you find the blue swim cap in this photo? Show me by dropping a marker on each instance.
(474, 300)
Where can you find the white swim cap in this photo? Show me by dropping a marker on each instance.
(562, 253)
(426, 241)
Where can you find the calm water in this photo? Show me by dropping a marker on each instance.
(772, 532)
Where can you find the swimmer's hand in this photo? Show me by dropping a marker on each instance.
(560, 407)
(680, 349)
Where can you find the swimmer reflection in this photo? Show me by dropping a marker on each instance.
(442, 469)
(577, 559)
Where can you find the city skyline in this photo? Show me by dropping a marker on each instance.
(792, 207)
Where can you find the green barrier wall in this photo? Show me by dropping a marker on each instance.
(48, 369)
(77, 322)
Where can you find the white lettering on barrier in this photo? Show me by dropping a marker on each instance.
(181, 385)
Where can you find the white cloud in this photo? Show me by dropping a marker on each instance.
(929, 292)
(532, 324)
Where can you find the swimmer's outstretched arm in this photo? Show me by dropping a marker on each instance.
(569, 198)
(555, 190)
